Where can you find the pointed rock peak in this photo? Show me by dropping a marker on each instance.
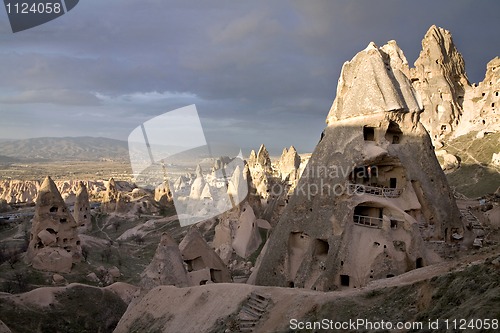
(437, 40)
(199, 171)
(48, 185)
(167, 240)
(292, 150)
(82, 189)
(397, 57)
(192, 244)
(110, 184)
(263, 158)
(436, 31)
(252, 159)
(263, 153)
(285, 151)
(369, 84)
(262, 150)
(371, 46)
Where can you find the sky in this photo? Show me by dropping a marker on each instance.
(257, 71)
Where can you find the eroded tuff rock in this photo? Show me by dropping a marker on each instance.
(372, 182)
(247, 238)
(439, 77)
(163, 194)
(114, 199)
(289, 164)
(482, 103)
(261, 171)
(252, 159)
(166, 268)
(203, 263)
(16, 191)
(198, 185)
(54, 244)
(82, 208)
(238, 230)
(263, 159)
(110, 196)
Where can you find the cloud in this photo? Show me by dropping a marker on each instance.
(145, 97)
(266, 70)
(52, 96)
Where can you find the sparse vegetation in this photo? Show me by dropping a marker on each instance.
(74, 311)
(476, 176)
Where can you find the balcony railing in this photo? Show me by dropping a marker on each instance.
(368, 221)
(375, 190)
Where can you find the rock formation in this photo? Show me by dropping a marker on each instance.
(237, 186)
(17, 191)
(198, 184)
(163, 195)
(289, 164)
(82, 208)
(263, 159)
(252, 159)
(439, 76)
(166, 268)
(203, 263)
(110, 196)
(482, 103)
(261, 171)
(247, 238)
(372, 182)
(54, 244)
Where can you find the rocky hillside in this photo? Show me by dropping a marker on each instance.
(478, 174)
(470, 290)
(453, 106)
(65, 309)
(64, 149)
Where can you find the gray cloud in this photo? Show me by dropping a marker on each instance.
(258, 71)
(52, 96)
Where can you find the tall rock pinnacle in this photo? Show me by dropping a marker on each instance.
(439, 77)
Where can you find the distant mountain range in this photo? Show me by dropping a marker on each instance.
(63, 149)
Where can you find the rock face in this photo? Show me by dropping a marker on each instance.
(289, 164)
(198, 185)
(110, 196)
(82, 208)
(260, 169)
(203, 263)
(482, 103)
(16, 191)
(252, 159)
(372, 182)
(247, 238)
(114, 200)
(263, 159)
(238, 186)
(439, 76)
(166, 268)
(54, 244)
(163, 195)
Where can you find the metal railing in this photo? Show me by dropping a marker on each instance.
(368, 221)
(375, 190)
